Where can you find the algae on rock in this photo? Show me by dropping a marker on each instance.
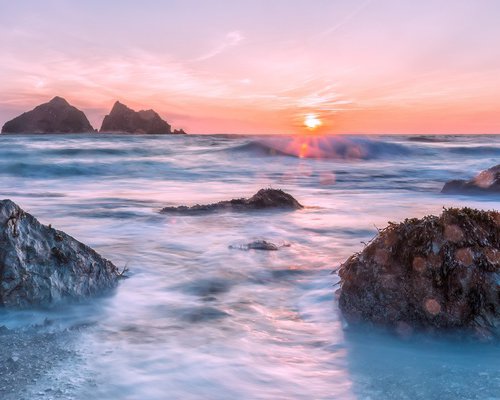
(435, 273)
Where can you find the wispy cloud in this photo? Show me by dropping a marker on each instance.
(231, 39)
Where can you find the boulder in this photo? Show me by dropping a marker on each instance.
(122, 119)
(56, 116)
(438, 273)
(263, 199)
(487, 181)
(41, 265)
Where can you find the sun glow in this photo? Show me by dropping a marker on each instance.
(312, 121)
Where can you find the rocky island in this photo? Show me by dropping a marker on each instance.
(123, 119)
(438, 273)
(56, 116)
(41, 265)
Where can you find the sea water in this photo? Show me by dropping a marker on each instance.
(198, 318)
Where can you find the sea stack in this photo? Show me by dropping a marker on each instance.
(122, 119)
(438, 273)
(56, 116)
(40, 265)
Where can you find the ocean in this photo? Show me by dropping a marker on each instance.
(200, 317)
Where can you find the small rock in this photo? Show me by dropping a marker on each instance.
(263, 199)
(487, 181)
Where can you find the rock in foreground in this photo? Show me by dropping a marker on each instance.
(436, 274)
(56, 116)
(263, 199)
(122, 119)
(487, 181)
(41, 265)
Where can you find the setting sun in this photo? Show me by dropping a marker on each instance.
(311, 121)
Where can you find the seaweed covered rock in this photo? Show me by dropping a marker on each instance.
(41, 265)
(122, 119)
(264, 198)
(437, 273)
(56, 116)
(487, 181)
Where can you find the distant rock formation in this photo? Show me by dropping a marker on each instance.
(179, 132)
(487, 181)
(41, 265)
(56, 116)
(438, 273)
(263, 199)
(125, 120)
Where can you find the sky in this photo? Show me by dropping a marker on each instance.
(260, 66)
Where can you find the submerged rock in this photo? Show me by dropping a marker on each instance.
(435, 273)
(40, 265)
(122, 119)
(260, 245)
(56, 116)
(487, 181)
(264, 198)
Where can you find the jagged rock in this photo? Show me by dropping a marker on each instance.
(435, 273)
(41, 265)
(179, 132)
(125, 120)
(56, 116)
(487, 181)
(264, 198)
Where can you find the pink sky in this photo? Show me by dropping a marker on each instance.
(380, 66)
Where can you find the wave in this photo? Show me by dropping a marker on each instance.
(330, 147)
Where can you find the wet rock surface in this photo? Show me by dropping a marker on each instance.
(263, 199)
(41, 265)
(438, 273)
(122, 119)
(260, 245)
(487, 181)
(56, 116)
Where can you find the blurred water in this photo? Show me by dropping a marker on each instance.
(197, 320)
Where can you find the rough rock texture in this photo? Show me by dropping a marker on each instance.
(123, 119)
(264, 198)
(40, 265)
(56, 116)
(436, 273)
(487, 181)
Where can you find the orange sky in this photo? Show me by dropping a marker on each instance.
(258, 66)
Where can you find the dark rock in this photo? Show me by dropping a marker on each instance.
(436, 273)
(179, 132)
(263, 199)
(41, 265)
(56, 116)
(487, 181)
(260, 245)
(125, 120)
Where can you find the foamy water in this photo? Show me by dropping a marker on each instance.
(198, 320)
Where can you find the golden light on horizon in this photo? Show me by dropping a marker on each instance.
(312, 121)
